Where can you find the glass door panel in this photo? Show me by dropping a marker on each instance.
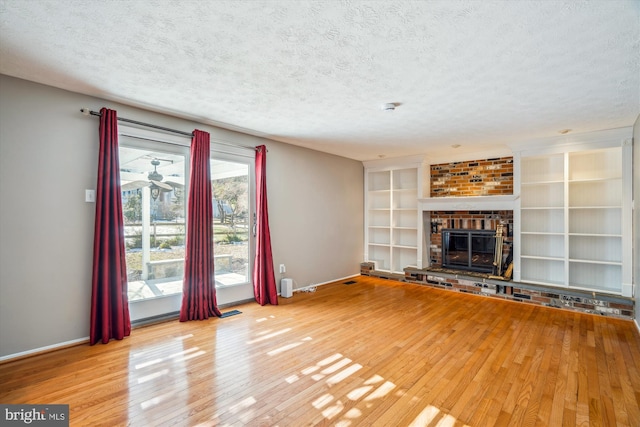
(153, 203)
(232, 222)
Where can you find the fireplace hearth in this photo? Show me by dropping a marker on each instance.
(466, 249)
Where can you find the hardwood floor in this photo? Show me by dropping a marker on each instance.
(377, 352)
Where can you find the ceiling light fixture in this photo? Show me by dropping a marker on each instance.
(155, 176)
(564, 131)
(389, 106)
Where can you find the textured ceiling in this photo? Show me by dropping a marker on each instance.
(314, 73)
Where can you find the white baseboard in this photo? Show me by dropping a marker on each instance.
(44, 349)
(326, 283)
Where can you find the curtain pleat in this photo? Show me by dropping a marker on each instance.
(109, 299)
(199, 292)
(264, 281)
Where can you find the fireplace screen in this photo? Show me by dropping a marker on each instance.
(468, 249)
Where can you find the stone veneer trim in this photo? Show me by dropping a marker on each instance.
(563, 299)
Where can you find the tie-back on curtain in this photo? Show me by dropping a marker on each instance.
(198, 291)
(264, 281)
(109, 300)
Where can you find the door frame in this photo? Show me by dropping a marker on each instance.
(232, 294)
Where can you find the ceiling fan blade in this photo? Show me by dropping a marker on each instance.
(162, 185)
(175, 184)
(134, 185)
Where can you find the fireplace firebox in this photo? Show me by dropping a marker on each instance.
(472, 250)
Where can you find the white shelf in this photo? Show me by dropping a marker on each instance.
(594, 235)
(594, 207)
(548, 168)
(595, 165)
(593, 180)
(393, 223)
(405, 218)
(587, 261)
(543, 271)
(379, 181)
(548, 195)
(549, 258)
(592, 276)
(571, 219)
(541, 233)
(405, 247)
(542, 220)
(546, 283)
(531, 183)
(540, 208)
(405, 179)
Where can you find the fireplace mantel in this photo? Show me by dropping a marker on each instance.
(472, 203)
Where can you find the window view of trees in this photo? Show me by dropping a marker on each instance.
(231, 200)
(231, 222)
(154, 211)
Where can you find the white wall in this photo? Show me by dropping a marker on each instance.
(636, 218)
(48, 157)
(320, 203)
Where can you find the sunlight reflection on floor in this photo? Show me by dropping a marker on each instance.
(429, 414)
(333, 370)
(345, 399)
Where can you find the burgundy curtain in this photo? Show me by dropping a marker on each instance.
(199, 291)
(264, 281)
(109, 300)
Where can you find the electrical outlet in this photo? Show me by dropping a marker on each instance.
(282, 268)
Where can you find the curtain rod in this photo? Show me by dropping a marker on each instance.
(88, 112)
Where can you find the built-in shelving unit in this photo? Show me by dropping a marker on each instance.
(572, 212)
(542, 220)
(573, 219)
(379, 216)
(595, 218)
(392, 222)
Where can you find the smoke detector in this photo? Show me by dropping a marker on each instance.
(389, 106)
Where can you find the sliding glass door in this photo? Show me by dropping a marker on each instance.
(154, 174)
(154, 182)
(232, 179)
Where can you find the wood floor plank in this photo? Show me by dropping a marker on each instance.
(560, 386)
(374, 353)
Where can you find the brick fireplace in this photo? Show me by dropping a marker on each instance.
(460, 180)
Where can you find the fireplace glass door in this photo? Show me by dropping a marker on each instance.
(471, 250)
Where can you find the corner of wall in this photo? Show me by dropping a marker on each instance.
(636, 218)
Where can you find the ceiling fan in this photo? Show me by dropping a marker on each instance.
(154, 182)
